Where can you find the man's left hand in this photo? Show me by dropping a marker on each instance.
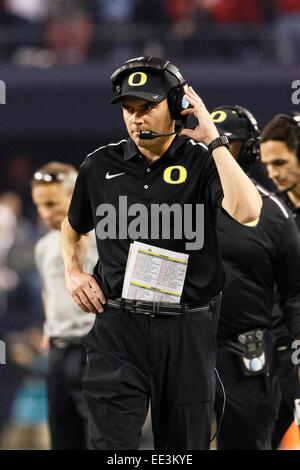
(206, 130)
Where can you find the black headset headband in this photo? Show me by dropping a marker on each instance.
(146, 63)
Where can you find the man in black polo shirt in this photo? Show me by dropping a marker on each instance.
(139, 350)
(280, 151)
(256, 257)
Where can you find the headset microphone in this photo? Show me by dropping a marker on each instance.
(150, 135)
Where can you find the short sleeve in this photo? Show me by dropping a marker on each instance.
(214, 191)
(38, 258)
(80, 213)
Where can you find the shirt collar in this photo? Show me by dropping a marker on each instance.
(289, 203)
(131, 149)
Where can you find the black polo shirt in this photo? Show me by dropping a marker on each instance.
(118, 178)
(295, 210)
(280, 330)
(255, 260)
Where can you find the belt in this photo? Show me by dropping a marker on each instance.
(155, 308)
(62, 343)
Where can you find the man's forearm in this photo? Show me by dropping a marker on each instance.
(74, 247)
(241, 198)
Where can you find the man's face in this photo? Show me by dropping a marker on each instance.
(282, 164)
(52, 202)
(235, 147)
(142, 115)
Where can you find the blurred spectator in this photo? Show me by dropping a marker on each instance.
(33, 10)
(69, 29)
(68, 32)
(154, 18)
(18, 175)
(239, 11)
(188, 15)
(287, 31)
(116, 11)
(12, 29)
(151, 12)
(9, 209)
(27, 427)
(247, 40)
(20, 301)
(8, 18)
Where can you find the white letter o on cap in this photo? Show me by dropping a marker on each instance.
(142, 81)
(168, 174)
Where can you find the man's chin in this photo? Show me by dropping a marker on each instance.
(141, 142)
(55, 226)
(284, 188)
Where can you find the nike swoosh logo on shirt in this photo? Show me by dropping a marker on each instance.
(108, 176)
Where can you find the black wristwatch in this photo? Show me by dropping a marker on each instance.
(221, 141)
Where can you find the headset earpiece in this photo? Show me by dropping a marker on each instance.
(177, 103)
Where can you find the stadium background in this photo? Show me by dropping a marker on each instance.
(56, 58)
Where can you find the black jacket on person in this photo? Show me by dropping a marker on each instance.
(255, 260)
(280, 330)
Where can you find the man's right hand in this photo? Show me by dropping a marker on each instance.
(85, 291)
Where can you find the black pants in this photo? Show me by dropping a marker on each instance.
(171, 360)
(67, 409)
(290, 389)
(252, 404)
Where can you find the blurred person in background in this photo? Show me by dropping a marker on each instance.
(20, 304)
(116, 11)
(34, 11)
(185, 14)
(9, 210)
(12, 26)
(27, 427)
(18, 173)
(287, 31)
(65, 325)
(8, 18)
(246, 19)
(256, 258)
(69, 29)
(280, 151)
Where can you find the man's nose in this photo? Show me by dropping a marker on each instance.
(45, 214)
(272, 171)
(137, 117)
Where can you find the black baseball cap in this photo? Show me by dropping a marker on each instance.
(230, 122)
(148, 84)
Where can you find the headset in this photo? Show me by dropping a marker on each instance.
(175, 97)
(250, 151)
(294, 119)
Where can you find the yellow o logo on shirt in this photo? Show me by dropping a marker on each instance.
(182, 174)
(139, 81)
(218, 116)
